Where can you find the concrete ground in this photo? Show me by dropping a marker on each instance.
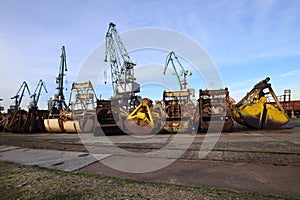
(52, 159)
(241, 176)
(260, 178)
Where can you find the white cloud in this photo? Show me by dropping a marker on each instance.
(291, 73)
(245, 83)
(237, 95)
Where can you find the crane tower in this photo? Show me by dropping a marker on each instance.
(122, 67)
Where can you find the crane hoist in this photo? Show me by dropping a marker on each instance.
(111, 113)
(122, 69)
(125, 111)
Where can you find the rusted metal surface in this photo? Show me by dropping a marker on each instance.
(22, 121)
(215, 110)
(179, 111)
(106, 118)
(2, 121)
(292, 108)
(35, 121)
(15, 120)
(78, 116)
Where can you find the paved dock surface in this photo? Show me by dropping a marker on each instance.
(266, 162)
(52, 159)
(260, 178)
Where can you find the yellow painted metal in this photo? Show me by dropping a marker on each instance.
(142, 113)
(254, 110)
(257, 110)
(276, 115)
(237, 117)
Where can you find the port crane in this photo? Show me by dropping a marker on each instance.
(170, 60)
(1, 107)
(2, 117)
(16, 116)
(111, 113)
(61, 117)
(58, 100)
(122, 67)
(178, 105)
(19, 97)
(36, 95)
(35, 117)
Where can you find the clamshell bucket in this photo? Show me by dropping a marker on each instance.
(254, 110)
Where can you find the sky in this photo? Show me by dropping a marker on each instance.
(247, 40)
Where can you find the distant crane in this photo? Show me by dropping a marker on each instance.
(19, 97)
(36, 95)
(1, 107)
(58, 100)
(61, 117)
(170, 59)
(122, 68)
(35, 117)
(16, 116)
(2, 117)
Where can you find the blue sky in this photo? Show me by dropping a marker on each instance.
(247, 40)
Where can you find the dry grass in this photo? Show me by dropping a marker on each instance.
(25, 182)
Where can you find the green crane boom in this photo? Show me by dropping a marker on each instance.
(62, 70)
(170, 60)
(59, 99)
(36, 95)
(19, 97)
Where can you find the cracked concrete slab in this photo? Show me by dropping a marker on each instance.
(53, 159)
